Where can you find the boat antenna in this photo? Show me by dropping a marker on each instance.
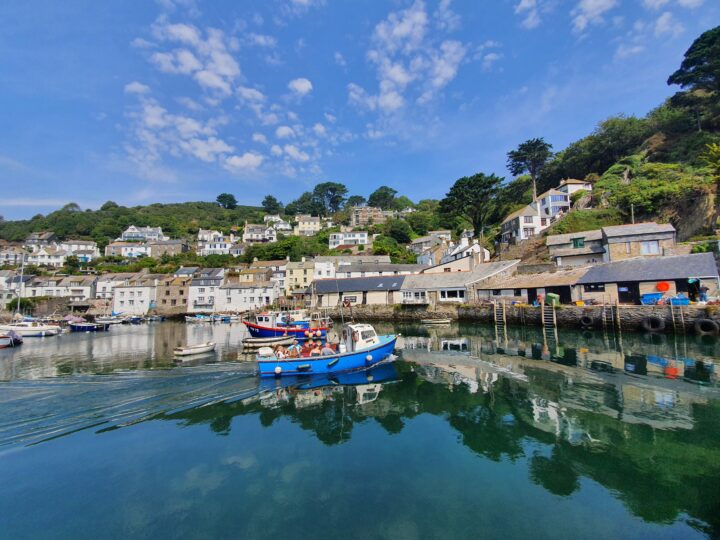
(337, 288)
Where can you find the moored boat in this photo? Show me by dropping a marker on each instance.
(11, 339)
(108, 319)
(254, 343)
(431, 322)
(199, 318)
(266, 325)
(31, 329)
(189, 350)
(85, 326)
(360, 348)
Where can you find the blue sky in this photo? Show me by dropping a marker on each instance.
(176, 100)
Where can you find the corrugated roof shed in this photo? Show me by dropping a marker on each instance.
(378, 283)
(699, 265)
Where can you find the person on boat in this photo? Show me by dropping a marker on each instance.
(327, 350)
(280, 352)
(316, 350)
(294, 350)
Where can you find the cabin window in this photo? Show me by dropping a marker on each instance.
(578, 242)
(594, 287)
(367, 334)
(650, 247)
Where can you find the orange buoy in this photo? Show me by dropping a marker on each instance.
(663, 286)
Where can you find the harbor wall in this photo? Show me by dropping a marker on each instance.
(631, 317)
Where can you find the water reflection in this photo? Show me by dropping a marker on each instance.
(589, 419)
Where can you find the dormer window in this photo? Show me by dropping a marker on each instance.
(578, 242)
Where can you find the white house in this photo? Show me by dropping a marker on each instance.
(81, 248)
(44, 286)
(127, 250)
(571, 185)
(277, 223)
(106, 283)
(138, 295)
(258, 233)
(465, 248)
(553, 203)
(142, 234)
(352, 238)
(79, 287)
(48, 256)
(12, 256)
(204, 290)
(523, 224)
(377, 270)
(239, 297)
(212, 242)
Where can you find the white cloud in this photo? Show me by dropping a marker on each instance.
(624, 51)
(136, 88)
(588, 12)
(189, 103)
(654, 4)
(319, 129)
(667, 25)
(339, 59)
(261, 40)
(259, 138)
(330, 118)
(691, 4)
(300, 86)
(445, 18)
(531, 12)
(248, 161)
(284, 132)
(295, 153)
(140, 43)
(250, 94)
(489, 59)
(275, 150)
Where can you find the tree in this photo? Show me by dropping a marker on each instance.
(330, 195)
(472, 198)
(304, 204)
(71, 207)
(227, 200)
(399, 230)
(700, 68)
(383, 197)
(271, 205)
(72, 263)
(355, 200)
(402, 202)
(530, 157)
(109, 205)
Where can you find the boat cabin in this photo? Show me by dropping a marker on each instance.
(356, 337)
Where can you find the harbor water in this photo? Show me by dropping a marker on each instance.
(472, 432)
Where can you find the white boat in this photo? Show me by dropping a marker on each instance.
(252, 343)
(108, 319)
(189, 350)
(198, 318)
(435, 321)
(31, 329)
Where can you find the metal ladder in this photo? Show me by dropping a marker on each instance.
(549, 322)
(500, 321)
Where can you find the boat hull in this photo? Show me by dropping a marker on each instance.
(275, 331)
(382, 372)
(335, 363)
(89, 327)
(32, 331)
(255, 343)
(190, 351)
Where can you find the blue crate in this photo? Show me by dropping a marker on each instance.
(680, 301)
(650, 299)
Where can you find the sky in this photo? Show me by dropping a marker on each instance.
(180, 100)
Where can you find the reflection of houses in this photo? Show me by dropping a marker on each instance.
(625, 281)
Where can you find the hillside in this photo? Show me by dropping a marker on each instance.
(179, 220)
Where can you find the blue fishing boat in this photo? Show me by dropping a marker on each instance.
(84, 326)
(266, 325)
(379, 373)
(360, 348)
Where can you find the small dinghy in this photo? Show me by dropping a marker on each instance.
(432, 322)
(254, 343)
(189, 350)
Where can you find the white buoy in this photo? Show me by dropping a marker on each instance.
(278, 370)
(368, 358)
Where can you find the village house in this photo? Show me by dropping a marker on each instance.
(442, 234)
(627, 280)
(298, 275)
(376, 269)
(277, 223)
(142, 234)
(254, 275)
(137, 296)
(211, 242)
(571, 185)
(16, 286)
(326, 266)
(40, 239)
(79, 288)
(530, 287)
(172, 295)
(553, 203)
(12, 256)
(48, 256)
(576, 249)
(204, 289)
(84, 250)
(363, 216)
(350, 238)
(306, 225)
(106, 283)
(238, 297)
(44, 286)
(258, 233)
(455, 287)
(277, 269)
(465, 248)
(523, 224)
(167, 247)
(424, 243)
(127, 250)
(382, 291)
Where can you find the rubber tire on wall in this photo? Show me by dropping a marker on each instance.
(653, 324)
(706, 327)
(587, 321)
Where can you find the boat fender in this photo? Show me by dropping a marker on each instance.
(587, 320)
(307, 333)
(304, 367)
(370, 378)
(333, 362)
(653, 323)
(318, 333)
(368, 358)
(278, 371)
(706, 327)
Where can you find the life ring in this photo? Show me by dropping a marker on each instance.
(653, 323)
(587, 320)
(706, 327)
(663, 286)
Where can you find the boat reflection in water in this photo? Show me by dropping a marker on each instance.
(583, 436)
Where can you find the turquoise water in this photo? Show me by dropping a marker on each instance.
(468, 434)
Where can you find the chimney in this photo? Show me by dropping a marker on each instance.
(255, 259)
(303, 259)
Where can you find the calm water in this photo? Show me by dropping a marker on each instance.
(468, 434)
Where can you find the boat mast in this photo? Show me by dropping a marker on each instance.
(20, 285)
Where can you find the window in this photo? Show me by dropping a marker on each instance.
(517, 292)
(164, 301)
(167, 293)
(578, 242)
(594, 287)
(131, 302)
(496, 292)
(528, 232)
(527, 219)
(201, 298)
(447, 270)
(173, 302)
(543, 222)
(201, 290)
(627, 247)
(650, 247)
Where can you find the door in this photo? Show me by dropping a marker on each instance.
(563, 292)
(532, 296)
(628, 292)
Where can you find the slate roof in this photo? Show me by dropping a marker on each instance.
(532, 281)
(637, 228)
(698, 265)
(442, 280)
(558, 239)
(349, 259)
(380, 267)
(378, 283)
(587, 250)
(528, 210)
